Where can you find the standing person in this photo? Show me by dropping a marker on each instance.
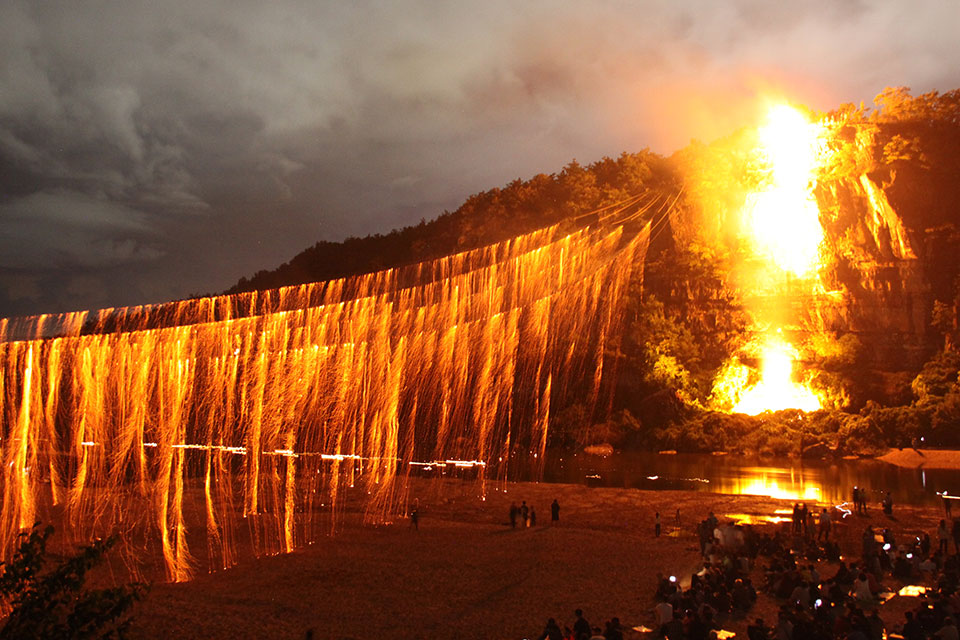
(677, 518)
(513, 515)
(525, 514)
(888, 504)
(757, 630)
(856, 499)
(943, 537)
(533, 517)
(656, 526)
(614, 630)
(415, 515)
(581, 628)
(948, 631)
(824, 526)
(664, 613)
(869, 544)
(554, 512)
(552, 631)
(796, 517)
(804, 514)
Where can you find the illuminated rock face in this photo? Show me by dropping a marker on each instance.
(875, 263)
(886, 249)
(193, 427)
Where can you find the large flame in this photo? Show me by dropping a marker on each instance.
(782, 217)
(776, 388)
(781, 227)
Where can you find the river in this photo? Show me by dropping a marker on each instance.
(787, 478)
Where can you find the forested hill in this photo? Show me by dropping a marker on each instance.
(485, 218)
(883, 348)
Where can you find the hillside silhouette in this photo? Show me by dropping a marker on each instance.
(485, 218)
(887, 355)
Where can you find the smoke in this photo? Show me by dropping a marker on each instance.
(222, 138)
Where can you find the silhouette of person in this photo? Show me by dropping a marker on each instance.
(581, 628)
(533, 517)
(551, 631)
(554, 512)
(513, 515)
(525, 513)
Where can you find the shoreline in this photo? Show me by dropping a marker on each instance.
(911, 458)
(466, 574)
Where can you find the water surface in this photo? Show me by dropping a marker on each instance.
(787, 478)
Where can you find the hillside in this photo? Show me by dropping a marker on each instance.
(485, 218)
(878, 343)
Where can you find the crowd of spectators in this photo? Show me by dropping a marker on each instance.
(820, 594)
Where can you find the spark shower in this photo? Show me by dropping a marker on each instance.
(193, 428)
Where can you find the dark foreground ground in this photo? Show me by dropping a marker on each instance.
(467, 574)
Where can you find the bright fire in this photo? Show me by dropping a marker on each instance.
(776, 389)
(782, 218)
(781, 223)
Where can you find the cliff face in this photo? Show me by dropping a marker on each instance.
(879, 290)
(891, 250)
(890, 214)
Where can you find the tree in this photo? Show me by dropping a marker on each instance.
(54, 604)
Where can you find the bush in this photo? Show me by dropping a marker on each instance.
(53, 604)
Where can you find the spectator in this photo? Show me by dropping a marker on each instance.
(551, 631)
(581, 628)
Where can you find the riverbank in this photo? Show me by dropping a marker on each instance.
(466, 574)
(923, 458)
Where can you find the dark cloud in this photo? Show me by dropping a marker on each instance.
(152, 150)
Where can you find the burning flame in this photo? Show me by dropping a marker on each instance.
(782, 217)
(782, 227)
(776, 388)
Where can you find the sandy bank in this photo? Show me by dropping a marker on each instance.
(923, 458)
(467, 574)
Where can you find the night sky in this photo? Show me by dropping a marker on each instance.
(154, 149)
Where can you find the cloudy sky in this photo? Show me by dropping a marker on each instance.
(150, 149)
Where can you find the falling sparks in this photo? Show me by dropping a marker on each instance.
(268, 408)
(781, 226)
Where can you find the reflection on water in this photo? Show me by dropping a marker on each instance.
(749, 518)
(770, 481)
(829, 482)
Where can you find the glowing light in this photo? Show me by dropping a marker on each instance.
(781, 226)
(782, 217)
(772, 489)
(281, 401)
(776, 389)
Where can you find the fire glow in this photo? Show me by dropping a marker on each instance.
(248, 419)
(782, 217)
(781, 228)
